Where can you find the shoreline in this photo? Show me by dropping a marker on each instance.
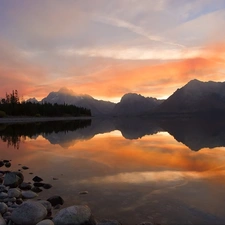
(9, 120)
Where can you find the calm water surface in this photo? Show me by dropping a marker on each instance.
(135, 170)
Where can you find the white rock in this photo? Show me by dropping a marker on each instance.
(74, 215)
(29, 194)
(45, 222)
(29, 213)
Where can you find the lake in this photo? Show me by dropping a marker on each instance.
(165, 171)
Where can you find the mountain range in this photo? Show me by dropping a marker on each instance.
(195, 97)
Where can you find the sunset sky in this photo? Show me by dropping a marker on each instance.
(108, 48)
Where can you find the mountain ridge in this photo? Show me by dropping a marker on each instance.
(194, 97)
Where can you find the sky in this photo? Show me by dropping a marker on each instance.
(109, 48)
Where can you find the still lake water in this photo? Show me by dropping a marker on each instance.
(162, 171)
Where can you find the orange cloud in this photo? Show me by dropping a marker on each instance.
(109, 78)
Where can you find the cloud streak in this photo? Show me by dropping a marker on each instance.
(133, 28)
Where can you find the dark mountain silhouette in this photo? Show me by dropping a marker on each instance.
(132, 104)
(32, 100)
(66, 96)
(195, 97)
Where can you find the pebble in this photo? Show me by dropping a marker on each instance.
(25, 167)
(83, 193)
(36, 189)
(25, 186)
(47, 186)
(37, 179)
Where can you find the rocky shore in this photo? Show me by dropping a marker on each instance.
(20, 205)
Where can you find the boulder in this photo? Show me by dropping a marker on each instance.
(29, 213)
(74, 215)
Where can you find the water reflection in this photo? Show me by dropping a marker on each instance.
(13, 134)
(147, 174)
(194, 133)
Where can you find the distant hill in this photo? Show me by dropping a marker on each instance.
(64, 95)
(132, 104)
(194, 97)
(32, 100)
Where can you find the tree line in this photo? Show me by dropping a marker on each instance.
(11, 106)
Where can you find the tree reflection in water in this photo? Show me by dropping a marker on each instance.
(14, 134)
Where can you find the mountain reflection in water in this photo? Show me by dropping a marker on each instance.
(133, 166)
(194, 133)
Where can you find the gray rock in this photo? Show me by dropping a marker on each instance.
(45, 222)
(46, 204)
(3, 195)
(11, 180)
(3, 208)
(14, 192)
(2, 220)
(3, 188)
(109, 222)
(55, 200)
(29, 213)
(29, 194)
(10, 200)
(74, 215)
(25, 186)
